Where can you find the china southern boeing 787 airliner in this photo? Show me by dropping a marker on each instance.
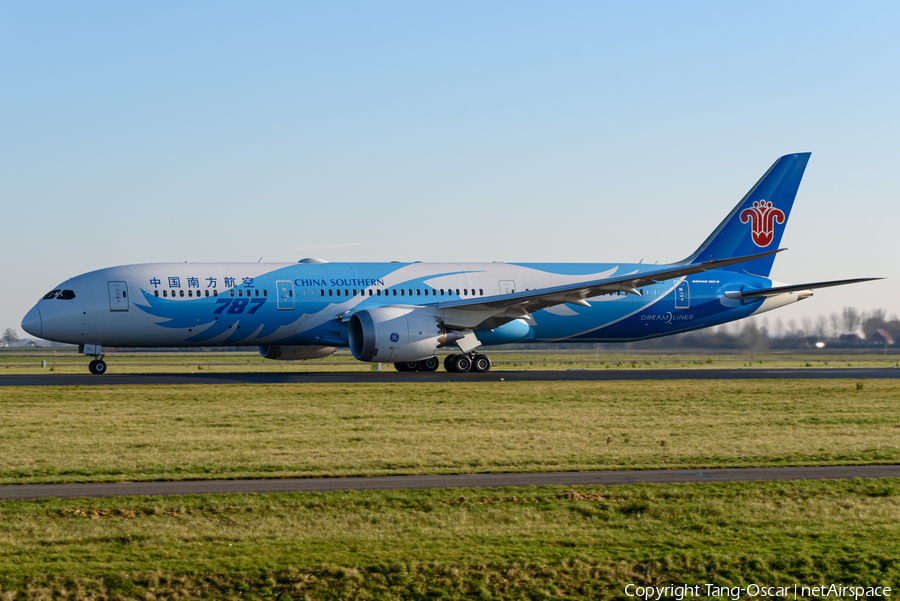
(404, 312)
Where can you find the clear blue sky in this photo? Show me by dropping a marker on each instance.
(226, 131)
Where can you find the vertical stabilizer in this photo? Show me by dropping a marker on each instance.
(757, 223)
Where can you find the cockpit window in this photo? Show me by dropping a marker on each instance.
(66, 295)
(51, 294)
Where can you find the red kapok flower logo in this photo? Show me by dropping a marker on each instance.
(763, 217)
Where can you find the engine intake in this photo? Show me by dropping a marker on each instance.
(395, 334)
(296, 353)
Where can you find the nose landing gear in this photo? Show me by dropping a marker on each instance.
(98, 365)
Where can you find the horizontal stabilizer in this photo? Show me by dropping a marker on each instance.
(797, 288)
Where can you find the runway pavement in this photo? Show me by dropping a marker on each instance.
(195, 487)
(571, 375)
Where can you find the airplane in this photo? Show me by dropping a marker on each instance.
(402, 313)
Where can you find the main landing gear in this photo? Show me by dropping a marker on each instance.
(455, 364)
(429, 364)
(460, 364)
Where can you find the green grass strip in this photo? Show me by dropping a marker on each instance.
(533, 543)
(118, 433)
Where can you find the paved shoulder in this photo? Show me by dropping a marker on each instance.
(194, 487)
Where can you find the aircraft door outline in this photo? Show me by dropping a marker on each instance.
(507, 286)
(284, 295)
(682, 295)
(118, 296)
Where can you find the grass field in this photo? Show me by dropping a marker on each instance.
(536, 543)
(522, 543)
(116, 433)
(67, 361)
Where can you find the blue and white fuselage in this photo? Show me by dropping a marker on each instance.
(300, 304)
(404, 312)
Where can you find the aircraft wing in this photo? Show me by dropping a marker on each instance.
(529, 301)
(796, 288)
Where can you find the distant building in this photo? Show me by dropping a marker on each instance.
(848, 340)
(881, 336)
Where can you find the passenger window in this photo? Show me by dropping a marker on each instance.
(370, 292)
(457, 292)
(181, 293)
(401, 292)
(256, 293)
(50, 294)
(395, 292)
(330, 292)
(473, 292)
(206, 293)
(321, 293)
(231, 291)
(347, 292)
(354, 292)
(418, 292)
(338, 292)
(190, 293)
(480, 292)
(215, 293)
(164, 294)
(379, 292)
(442, 292)
(156, 293)
(265, 293)
(465, 292)
(240, 293)
(410, 291)
(426, 292)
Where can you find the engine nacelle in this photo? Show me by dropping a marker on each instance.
(296, 353)
(395, 334)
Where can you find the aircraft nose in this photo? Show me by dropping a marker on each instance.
(32, 322)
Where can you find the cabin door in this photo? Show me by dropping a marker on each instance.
(682, 296)
(285, 294)
(118, 296)
(507, 286)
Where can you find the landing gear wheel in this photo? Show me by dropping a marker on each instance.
(429, 364)
(448, 363)
(461, 364)
(481, 364)
(97, 367)
(407, 366)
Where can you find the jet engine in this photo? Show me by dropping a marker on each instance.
(396, 334)
(296, 353)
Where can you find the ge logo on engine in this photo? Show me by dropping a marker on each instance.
(395, 337)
